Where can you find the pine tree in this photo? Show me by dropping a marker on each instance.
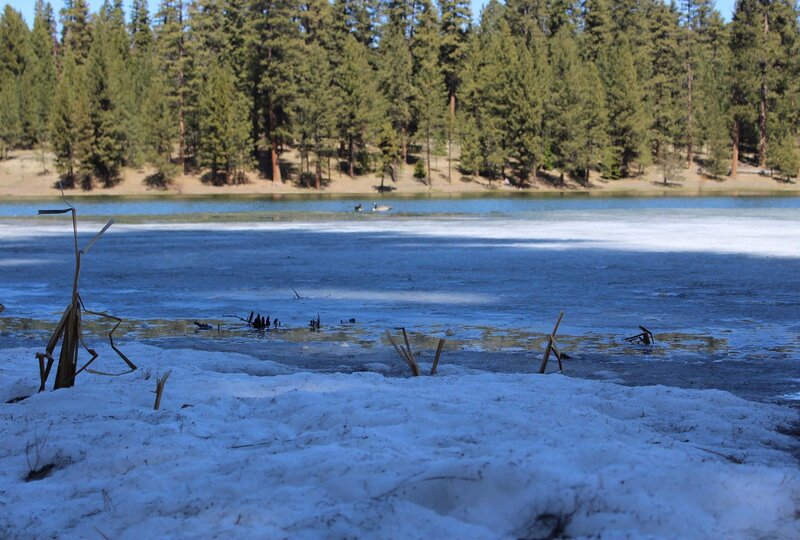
(456, 20)
(598, 33)
(43, 73)
(142, 72)
(16, 66)
(71, 124)
(390, 152)
(160, 128)
(107, 83)
(485, 96)
(665, 87)
(140, 31)
(430, 99)
(627, 120)
(360, 109)
(698, 17)
(277, 33)
(315, 119)
(10, 125)
(713, 91)
(577, 115)
(224, 145)
(359, 18)
(170, 30)
(528, 17)
(397, 84)
(528, 83)
(785, 156)
(754, 50)
(15, 46)
(76, 33)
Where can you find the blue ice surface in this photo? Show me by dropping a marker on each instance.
(746, 308)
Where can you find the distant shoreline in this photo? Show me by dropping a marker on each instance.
(21, 179)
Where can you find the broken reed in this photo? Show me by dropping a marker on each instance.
(407, 354)
(160, 382)
(68, 331)
(552, 347)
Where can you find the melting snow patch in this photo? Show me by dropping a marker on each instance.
(462, 455)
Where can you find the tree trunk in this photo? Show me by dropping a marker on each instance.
(449, 158)
(689, 118)
(428, 155)
(762, 122)
(762, 108)
(181, 97)
(351, 157)
(735, 149)
(276, 167)
(450, 136)
(318, 175)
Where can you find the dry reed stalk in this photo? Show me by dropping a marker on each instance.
(404, 355)
(551, 345)
(436, 358)
(160, 382)
(68, 330)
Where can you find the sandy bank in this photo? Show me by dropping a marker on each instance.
(21, 176)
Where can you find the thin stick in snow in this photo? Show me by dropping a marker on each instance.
(438, 354)
(160, 382)
(408, 346)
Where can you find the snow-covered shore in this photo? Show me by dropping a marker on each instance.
(243, 448)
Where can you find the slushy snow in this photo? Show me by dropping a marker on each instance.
(243, 448)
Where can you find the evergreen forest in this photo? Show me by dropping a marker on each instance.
(525, 90)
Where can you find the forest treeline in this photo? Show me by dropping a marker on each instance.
(534, 86)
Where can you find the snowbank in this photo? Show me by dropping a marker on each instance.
(249, 449)
(753, 232)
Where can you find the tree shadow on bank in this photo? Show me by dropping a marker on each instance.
(222, 178)
(83, 181)
(158, 181)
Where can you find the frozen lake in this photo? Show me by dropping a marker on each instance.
(717, 280)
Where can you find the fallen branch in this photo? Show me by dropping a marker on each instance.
(645, 338)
